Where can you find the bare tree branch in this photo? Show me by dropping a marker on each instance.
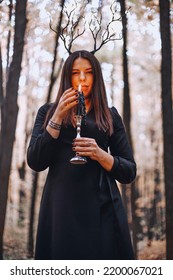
(105, 35)
(70, 31)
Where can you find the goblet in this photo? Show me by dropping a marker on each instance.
(78, 119)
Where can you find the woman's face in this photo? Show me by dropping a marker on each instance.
(82, 74)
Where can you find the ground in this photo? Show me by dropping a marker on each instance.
(15, 248)
(153, 251)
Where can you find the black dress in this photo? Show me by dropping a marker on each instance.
(81, 213)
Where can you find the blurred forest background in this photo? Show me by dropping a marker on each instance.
(137, 69)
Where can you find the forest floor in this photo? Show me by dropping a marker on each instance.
(153, 251)
(15, 248)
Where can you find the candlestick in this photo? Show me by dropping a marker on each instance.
(78, 119)
(79, 101)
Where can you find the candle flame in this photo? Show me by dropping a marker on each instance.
(79, 88)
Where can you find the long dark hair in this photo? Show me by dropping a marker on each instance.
(98, 94)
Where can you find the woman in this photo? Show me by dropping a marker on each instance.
(81, 213)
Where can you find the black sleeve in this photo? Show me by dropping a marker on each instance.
(42, 145)
(124, 167)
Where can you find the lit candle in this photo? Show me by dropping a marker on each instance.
(79, 88)
(79, 103)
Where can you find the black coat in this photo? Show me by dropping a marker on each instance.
(81, 212)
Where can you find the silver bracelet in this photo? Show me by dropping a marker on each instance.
(54, 125)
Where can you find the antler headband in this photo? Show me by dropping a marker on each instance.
(71, 31)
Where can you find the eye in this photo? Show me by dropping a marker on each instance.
(89, 72)
(75, 73)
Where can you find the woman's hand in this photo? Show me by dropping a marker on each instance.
(68, 100)
(88, 147)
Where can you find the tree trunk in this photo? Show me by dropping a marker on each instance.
(32, 215)
(128, 194)
(9, 112)
(167, 119)
(1, 81)
(9, 37)
(53, 77)
(35, 178)
(112, 84)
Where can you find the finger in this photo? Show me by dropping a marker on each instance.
(71, 99)
(84, 143)
(84, 139)
(68, 98)
(84, 154)
(68, 106)
(68, 93)
(85, 151)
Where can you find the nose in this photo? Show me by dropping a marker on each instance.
(82, 76)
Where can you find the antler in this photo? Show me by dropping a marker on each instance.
(106, 36)
(69, 33)
(72, 34)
